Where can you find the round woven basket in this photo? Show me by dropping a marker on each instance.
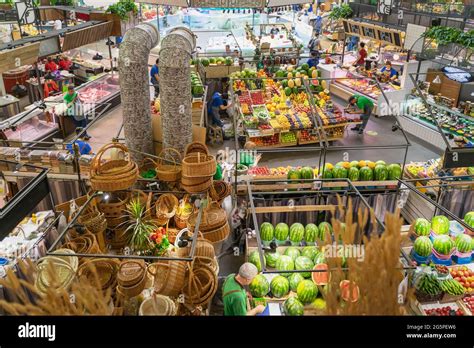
(213, 217)
(158, 305)
(198, 165)
(113, 175)
(94, 221)
(131, 278)
(166, 206)
(201, 284)
(217, 235)
(114, 208)
(55, 272)
(183, 213)
(220, 190)
(103, 271)
(169, 277)
(199, 187)
(146, 165)
(196, 147)
(84, 244)
(204, 248)
(118, 238)
(169, 172)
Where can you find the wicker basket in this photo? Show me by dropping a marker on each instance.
(204, 248)
(54, 272)
(146, 165)
(93, 220)
(220, 190)
(181, 217)
(172, 233)
(198, 165)
(84, 244)
(196, 147)
(166, 206)
(131, 278)
(169, 172)
(213, 217)
(201, 186)
(218, 235)
(118, 238)
(169, 277)
(104, 269)
(113, 175)
(115, 207)
(158, 305)
(201, 284)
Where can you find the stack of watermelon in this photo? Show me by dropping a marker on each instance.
(469, 219)
(464, 244)
(421, 227)
(282, 231)
(362, 171)
(423, 246)
(439, 225)
(266, 233)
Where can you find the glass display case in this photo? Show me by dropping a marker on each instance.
(457, 126)
(29, 126)
(362, 85)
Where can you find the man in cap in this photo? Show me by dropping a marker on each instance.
(236, 298)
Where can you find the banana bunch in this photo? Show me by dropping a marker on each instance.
(452, 287)
(283, 121)
(429, 284)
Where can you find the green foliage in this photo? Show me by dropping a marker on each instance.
(123, 8)
(343, 11)
(447, 35)
(62, 2)
(139, 226)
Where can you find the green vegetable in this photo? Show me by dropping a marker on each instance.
(123, 8)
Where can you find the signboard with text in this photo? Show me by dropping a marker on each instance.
(228, 3)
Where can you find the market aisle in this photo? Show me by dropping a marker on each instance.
(106, 128)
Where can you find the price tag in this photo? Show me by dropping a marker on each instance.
(317, 185)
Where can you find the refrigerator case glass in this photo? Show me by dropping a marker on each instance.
(34, 127)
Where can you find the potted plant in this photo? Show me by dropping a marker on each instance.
(341, 12)
(160, 241)
(7, 5)
(140, 226)
(122, 14)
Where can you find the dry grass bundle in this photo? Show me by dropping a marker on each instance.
(83, 298)
(377, 274)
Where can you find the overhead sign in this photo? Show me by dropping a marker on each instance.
(384, 7)
(228, 3)
(20, 56)
(373, 32)
(26, 14)
(180, 3)
(458, 158)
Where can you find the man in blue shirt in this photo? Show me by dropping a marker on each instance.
(314, 60)
(155, 78)
(84, 147)
(215, 106)
(389, 71)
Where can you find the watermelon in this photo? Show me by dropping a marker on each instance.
(285, 263)
(346, 287)
(469, 219)
(304, 263)
(423, 246)
(353, 174)
(281, 73)
(295, 279)
(288, 91)
(366, 174)
(319, 304)
(212, 60)
(259, 286)
(382, 163)
(254, 258)
(325, 231)
(284, 83)
(304, 66)
(266, 232)
(271, 258)
(320, 258)
(339, 172)
(354, 164)
(280, 286)
(293, 307)
(311, 233)
(307, 173)
(292, 252)
(205, 62)
(394, 171)
(321, 277)
(229, 61)
(422, 227)
(463, 243)
(282, 231)
(310, 251)
(297, 233)
(307, 291)
(440, 224)
(294, 174)
(326, 173)
(443, 244)
(380, 172)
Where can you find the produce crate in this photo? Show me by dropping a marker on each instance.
(220, 71)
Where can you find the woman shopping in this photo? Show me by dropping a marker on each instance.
(75, 109)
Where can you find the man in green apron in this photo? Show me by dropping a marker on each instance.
(235, 297)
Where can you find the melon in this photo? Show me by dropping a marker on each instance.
(271, 258)
(423, 246)
(279, 286)
(469, 219)
(366, 174)
(282, 231)
(285, 263)
(443, 244)
(463, 243)
(311, 233)
(295, 279)
(322, 276)
(394, 172)
(297, 231)
(310, 251)
(325, 231)
(307, 291)
(266, 232)
(440, 224)
(292, 252)
(422, 227)
(259, 286)
(293, 307)
(254, 258)
(349, 291)
(303, 263)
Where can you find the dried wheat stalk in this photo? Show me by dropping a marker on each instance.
(83, 298)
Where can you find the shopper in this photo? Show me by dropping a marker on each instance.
(155, 77)
(51, 65)
(366, 106)
(389, 71)
(216, 106)
(315, 43)
(81, 142)
(314, 60)
(236, 298)
(74, 108)
(361, 56)
(318, 24)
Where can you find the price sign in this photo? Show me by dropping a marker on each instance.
(355, 29)
(386, 36)
(369, 32)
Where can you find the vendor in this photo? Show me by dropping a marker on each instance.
(50, 86)
(236, 299)
(75, 109)
(389, 71)
(361, 55)
(366, 106)
(216, 106)
(155, 77)
(65, 63)
(51, 65)
(81, 142)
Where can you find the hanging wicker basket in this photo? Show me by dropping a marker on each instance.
(196, 185)
(113, 175)
(201, 284)
(104, 269)
(169, 172)
(148, 164)
(115, 207)
(166, 207)
(158, 305)
(198, 165)
(220, 190)
(169, 277)
(184, 211)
